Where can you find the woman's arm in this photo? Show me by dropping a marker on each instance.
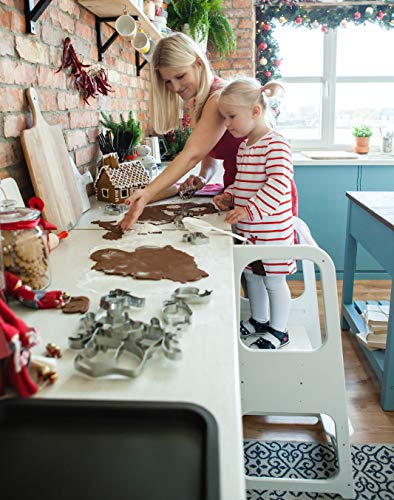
(208, 168)
(204, 137)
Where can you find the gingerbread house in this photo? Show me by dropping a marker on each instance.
(114, 184)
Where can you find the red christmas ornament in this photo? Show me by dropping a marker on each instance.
(324, 28)
(267, 73)
(277, 62)
(263, 46)
(380, 15)
(298, 20)
(357, 15)
(266, 27)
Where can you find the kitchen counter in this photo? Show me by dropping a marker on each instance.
(368, 159)
(207, 374)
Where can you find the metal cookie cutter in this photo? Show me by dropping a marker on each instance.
(195, 238)
(192, 295)
(113, 209)
(176, 313)
(120, 300)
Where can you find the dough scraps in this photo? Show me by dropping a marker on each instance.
(149, 263)
(115, 232)
(79, 304)
(162, 214)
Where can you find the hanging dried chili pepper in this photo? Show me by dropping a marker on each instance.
(89, 83)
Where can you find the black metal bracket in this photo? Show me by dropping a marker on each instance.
(102, 47)
(33, 12)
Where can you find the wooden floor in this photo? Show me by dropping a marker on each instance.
(371, 424)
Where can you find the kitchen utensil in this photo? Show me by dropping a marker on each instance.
(157, 146)
(50, 170)
(81, 184)
(9, 190)
(203, 226)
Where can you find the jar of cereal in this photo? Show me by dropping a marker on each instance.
(24, 243)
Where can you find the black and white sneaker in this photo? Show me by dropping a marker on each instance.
(274, 339)
(253, 327)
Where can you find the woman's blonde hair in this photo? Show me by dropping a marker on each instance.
(249, 92)
(176, 51)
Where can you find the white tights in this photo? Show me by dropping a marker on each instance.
(269, 298)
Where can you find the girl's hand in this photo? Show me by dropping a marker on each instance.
(195, 182)
(236, 215)
(137, 204)
(223, 201)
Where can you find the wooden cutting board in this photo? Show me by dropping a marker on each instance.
(50, 170)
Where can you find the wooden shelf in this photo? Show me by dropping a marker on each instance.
(115, 8)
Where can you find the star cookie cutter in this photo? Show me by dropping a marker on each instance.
(192, 295)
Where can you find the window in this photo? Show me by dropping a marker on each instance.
(105, 192)
(335, 80)
(124, 193)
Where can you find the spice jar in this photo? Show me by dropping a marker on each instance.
(24, 244)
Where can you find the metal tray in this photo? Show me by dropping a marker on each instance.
(96, 450)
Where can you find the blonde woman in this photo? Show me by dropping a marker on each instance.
(180, 73)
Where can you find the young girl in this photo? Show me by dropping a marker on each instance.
(260, 205)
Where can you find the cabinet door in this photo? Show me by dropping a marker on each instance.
(323, 205)
(373, 178)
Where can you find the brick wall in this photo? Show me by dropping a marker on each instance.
(32, 60)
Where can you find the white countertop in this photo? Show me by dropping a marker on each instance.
(208, 373)
(368, 159)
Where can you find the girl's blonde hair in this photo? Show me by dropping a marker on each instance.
(176, 51)
(249, 92)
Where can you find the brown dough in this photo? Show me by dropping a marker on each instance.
(115, 232)
(149, 263)
(79, 304)
(162, 214)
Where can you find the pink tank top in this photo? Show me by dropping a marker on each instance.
(226, 149)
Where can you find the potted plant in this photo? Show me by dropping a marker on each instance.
(362, 133)
(203, 20)
(126, 134)
(175, 140)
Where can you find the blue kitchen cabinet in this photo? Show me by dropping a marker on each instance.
(323, 204)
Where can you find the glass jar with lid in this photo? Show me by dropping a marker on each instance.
(25, 245)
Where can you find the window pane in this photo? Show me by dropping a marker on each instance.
(300, 116)
(301, 51)
(371, 104)
(365, 51)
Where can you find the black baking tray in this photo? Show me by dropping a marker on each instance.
(112, 450)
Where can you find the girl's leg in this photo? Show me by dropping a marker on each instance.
(259, 304)
(279, 301)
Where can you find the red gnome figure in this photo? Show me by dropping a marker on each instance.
(16, 338)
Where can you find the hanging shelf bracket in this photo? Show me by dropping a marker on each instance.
(102, 47)
(33, 13)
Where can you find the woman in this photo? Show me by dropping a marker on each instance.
(180, 72)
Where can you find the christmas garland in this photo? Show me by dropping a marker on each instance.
(313, 16)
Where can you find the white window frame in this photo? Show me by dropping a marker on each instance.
(329, 81)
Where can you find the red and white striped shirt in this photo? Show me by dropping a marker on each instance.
(263, 186)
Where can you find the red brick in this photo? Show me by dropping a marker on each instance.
(75, 139)
(84, 31)
(245, 23)
(83, 119)
(10, 153)
(9, 3)
(92, 134)
(5, 19)
(31, 50)
(67, 100)
(239, 4)
(6, 45)
(11, 99)
(47, 77)
(87, 155)
(48, 100)
(14, 72)
(18, 23)
(69, 7)
(62, 20)
(13, 124)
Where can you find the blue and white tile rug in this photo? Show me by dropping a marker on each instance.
(373, 468)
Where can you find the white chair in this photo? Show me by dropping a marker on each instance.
(311, 381)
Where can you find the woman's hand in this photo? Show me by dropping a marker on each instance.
(137, 204)
(223, 201)
(193, 182)
(236, 215)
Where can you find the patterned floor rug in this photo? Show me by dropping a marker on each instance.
(373, 468)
